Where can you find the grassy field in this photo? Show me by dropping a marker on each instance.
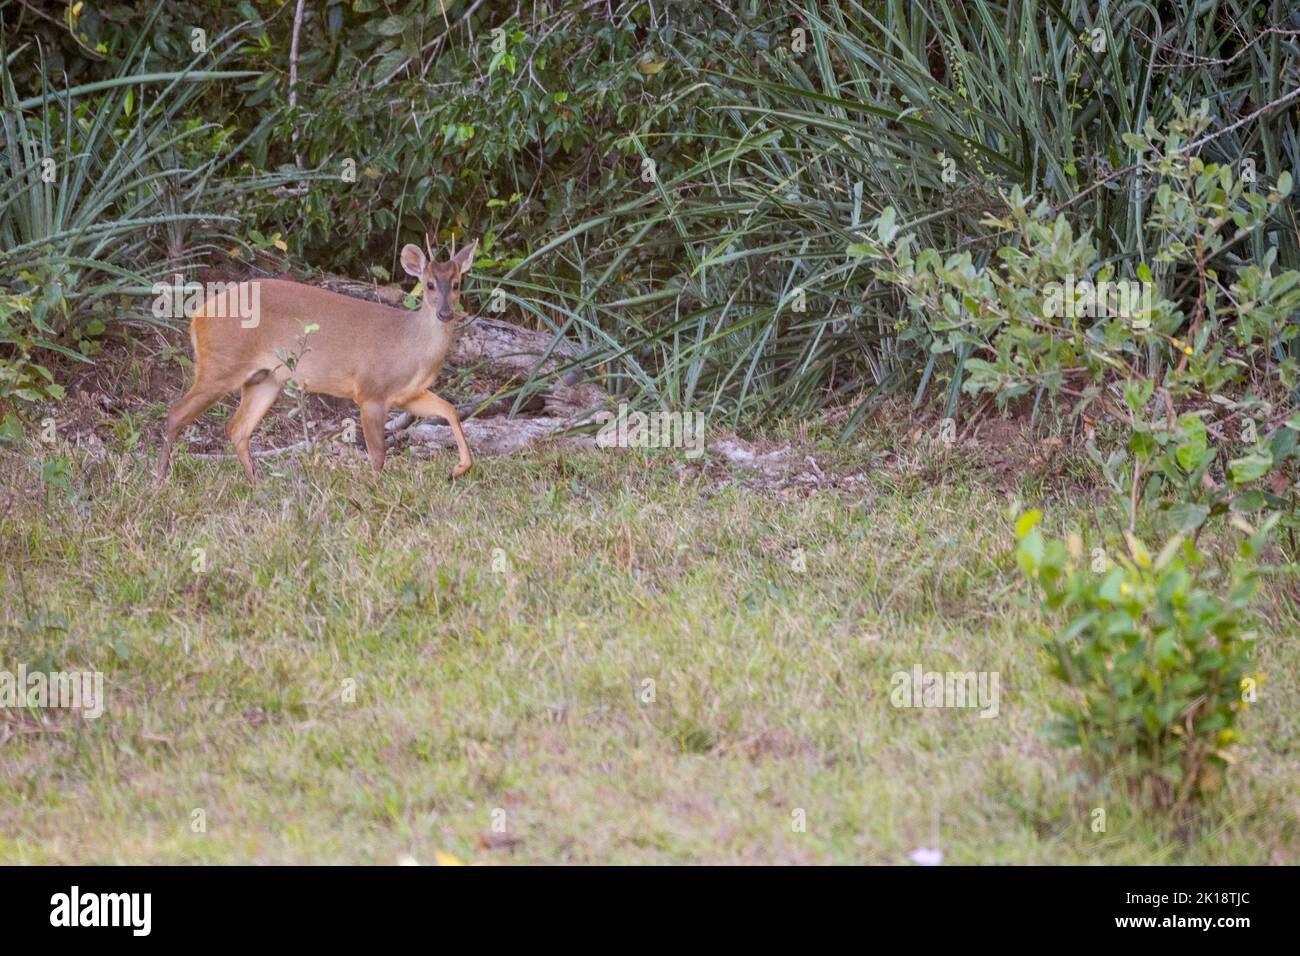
(644, 672)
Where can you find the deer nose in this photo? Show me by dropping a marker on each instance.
(444, 315)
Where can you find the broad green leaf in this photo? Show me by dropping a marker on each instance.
(1249, 468)
(1248, 502)
(1193, 444)
(1027, 522)
(885, 228)
(389, 26)
(1030, 553)
(1188, 516)
(1141, 556)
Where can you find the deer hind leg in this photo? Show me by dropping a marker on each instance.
(430, 405)
(259, 394)
(193, 404)
(373, 415)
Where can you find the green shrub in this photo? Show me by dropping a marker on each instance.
(22, 376)
(1156, 663)
(1187, 365)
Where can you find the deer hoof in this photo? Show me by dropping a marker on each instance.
(460, 470)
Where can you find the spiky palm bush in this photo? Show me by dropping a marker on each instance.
(106, 188)
(723, 284)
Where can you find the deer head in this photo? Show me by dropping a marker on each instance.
(441, 279)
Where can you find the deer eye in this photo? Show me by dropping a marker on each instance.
(429, 286)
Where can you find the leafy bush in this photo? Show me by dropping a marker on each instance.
(21, 376)
(1037, 325)
(1157, 664)
(1026, 333)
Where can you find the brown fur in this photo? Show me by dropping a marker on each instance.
(378, 356)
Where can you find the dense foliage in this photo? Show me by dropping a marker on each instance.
(775, 133)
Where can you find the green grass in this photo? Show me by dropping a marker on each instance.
(524, 690)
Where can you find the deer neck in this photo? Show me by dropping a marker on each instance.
(434, 334)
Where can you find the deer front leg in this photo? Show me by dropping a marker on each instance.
(372, 427)
(430, 405)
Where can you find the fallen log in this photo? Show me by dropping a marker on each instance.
(497, 436)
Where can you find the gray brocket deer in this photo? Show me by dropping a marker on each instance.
(378, 356)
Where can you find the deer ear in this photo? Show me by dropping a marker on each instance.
(465, 257)
(413, 260)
